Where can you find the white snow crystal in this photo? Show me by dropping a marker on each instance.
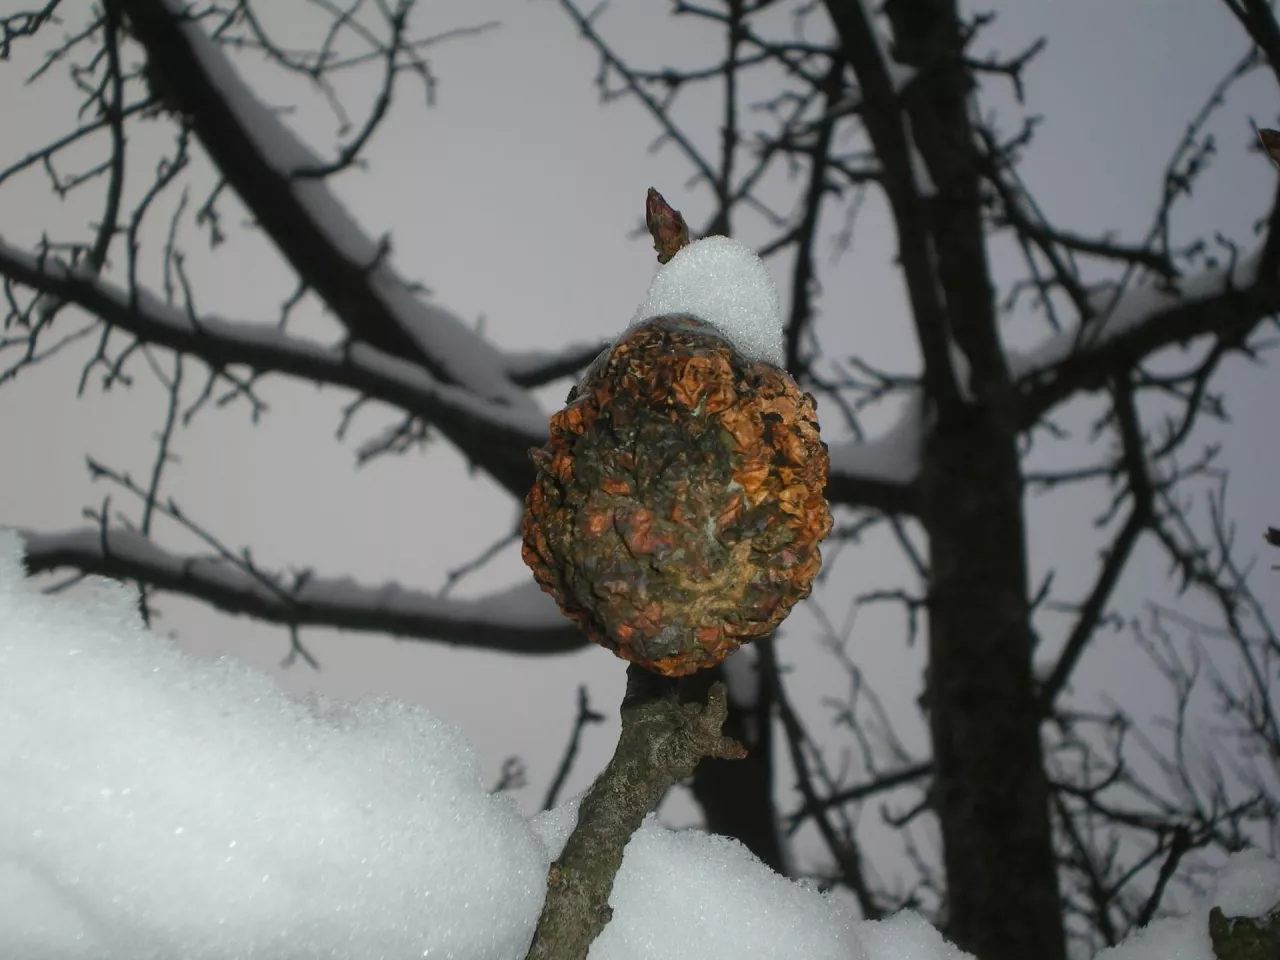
(721, 282)
(155, 805)
(553, 826)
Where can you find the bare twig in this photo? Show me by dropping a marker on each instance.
(586, 716)
(663, 738)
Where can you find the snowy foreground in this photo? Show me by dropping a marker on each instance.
(154, 805)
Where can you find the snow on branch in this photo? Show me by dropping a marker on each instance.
(519, 620)
(881, 472)
(1225, 301)
(492, 435)
(874, 475)
(1129, 326)
(891, 458)
(271, 169)
(533, 368)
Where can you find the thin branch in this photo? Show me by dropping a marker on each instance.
(862, 791)
(667, 728)
(586, 716)
(521, 620)
(1117, 556)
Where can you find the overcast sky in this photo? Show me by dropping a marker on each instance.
(514, 199)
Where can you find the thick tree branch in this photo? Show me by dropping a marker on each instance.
(1087, 360)
(854, 490)
(261, 159)
(536, 368)
(492, 436)
(520, 620)
(929, 37)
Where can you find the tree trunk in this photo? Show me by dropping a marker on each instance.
(990, 788)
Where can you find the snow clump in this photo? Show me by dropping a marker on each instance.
(721, 282)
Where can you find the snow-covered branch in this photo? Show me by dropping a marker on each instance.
(493, 436)
(890, 460)
(269, 167)
(518, 620)
(1224, 302)
(857, 480)
(533, 368)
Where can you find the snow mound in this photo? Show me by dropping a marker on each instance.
(158, 806)
(155, 805)
(1248, 886)
(717, 900)
(721, 282)
(907, 936)
(690, 895)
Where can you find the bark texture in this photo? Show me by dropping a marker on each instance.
(990, 791)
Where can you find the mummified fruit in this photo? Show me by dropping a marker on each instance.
(679, 503)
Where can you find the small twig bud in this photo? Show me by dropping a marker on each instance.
(666, 226)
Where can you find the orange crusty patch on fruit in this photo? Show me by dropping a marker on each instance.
(678, 504)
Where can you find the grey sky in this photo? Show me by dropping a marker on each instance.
(512, 199)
